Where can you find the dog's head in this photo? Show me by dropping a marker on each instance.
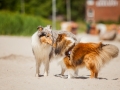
(62, 43)
(45, 33)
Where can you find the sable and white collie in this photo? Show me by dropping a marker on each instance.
(77, 55)
(42, 51)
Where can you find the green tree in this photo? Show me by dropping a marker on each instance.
(44, 7)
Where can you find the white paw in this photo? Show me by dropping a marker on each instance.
(36, 75)
(45, 74)
(70, 77)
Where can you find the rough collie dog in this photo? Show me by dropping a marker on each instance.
(76, 55)
(42, 51)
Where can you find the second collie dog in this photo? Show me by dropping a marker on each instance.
(77, 55)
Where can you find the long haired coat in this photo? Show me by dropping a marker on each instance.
(42, 51)
(76, 55)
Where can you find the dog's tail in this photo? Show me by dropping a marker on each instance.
(107, 52)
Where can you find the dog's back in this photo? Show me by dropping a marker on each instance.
(96, 53)
(80, 50)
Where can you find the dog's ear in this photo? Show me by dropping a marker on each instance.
(49, 26)
(60, 37)
(40, 28)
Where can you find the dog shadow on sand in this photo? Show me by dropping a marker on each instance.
(82, 77)
(66, 76)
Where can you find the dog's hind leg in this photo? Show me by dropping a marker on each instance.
(94, 72)
(90, 64)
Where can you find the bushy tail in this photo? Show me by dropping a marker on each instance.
(107, 53)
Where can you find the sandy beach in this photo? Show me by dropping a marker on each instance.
(17, 69)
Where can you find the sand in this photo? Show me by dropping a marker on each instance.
(17, 69)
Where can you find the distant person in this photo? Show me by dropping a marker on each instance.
(93, 30)
(70, 26)
(88, 25)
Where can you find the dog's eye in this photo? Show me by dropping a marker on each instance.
(42, 34)
(47, 36)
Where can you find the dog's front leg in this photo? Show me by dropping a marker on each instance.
(38, 63)
(70, 73)
(46, 69)
(76, 73)
(63, 68)
(62, 71)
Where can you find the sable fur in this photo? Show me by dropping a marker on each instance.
(63, 44)
(91, 55)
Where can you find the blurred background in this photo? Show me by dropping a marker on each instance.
(95, 17)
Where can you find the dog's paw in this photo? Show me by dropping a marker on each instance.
(37, 75)
(58, 75)
(64, 76)
(71, 77)
(45, 74)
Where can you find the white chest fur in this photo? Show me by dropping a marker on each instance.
(41, 50)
